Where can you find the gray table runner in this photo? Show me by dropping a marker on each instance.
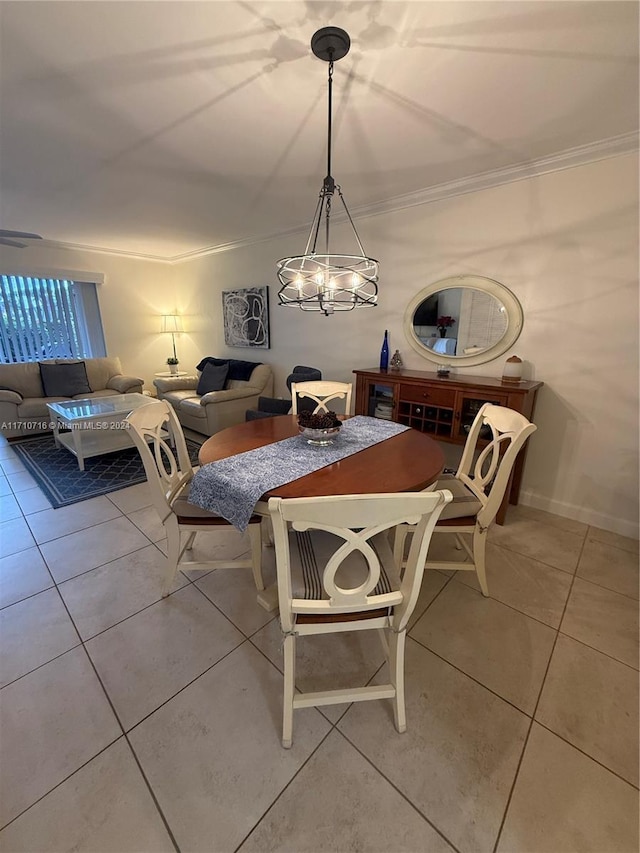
(232, 487)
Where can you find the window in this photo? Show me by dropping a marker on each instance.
(48, 318)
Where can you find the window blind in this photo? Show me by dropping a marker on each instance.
(39, 319)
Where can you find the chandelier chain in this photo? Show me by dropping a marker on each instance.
(330, 121)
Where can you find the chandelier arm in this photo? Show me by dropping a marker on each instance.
(315, 226)
(344, 204)
(327, 224)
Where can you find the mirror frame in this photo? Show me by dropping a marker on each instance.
(515, 320)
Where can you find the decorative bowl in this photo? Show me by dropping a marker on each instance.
(319, 437)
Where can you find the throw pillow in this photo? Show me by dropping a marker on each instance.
(212, 378)
(64, 380)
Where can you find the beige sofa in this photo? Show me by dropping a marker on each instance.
(209, 413)
(23, 405)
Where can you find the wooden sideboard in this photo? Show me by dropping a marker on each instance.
(444, 407)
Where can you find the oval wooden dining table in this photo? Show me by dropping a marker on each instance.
(406, 462)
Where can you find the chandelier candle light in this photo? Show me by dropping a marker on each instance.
(323, 280)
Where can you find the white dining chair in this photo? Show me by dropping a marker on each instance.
(169, 474)
(478, 488)
(322, 393)
(336, 573)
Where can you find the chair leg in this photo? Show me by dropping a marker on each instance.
(255, 539)
(173, 555)
(190, 540)
(289, 688)
(479, 543)
(396, 672)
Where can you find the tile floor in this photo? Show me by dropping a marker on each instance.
(131, 723)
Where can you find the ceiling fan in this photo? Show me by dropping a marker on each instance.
(7, 238)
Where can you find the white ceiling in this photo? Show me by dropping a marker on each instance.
(163, 128)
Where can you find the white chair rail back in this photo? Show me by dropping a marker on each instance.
(493, 466)
(354, 520)
(322, 393)
(152, 428)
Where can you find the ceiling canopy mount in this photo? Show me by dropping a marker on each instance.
(330, 44)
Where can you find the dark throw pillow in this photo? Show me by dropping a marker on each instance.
(212, 378)
(64, 380)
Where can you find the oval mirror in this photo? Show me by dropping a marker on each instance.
(463, 320)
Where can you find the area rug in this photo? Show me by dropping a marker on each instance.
(58, 476)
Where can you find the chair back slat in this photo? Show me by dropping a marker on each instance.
(322, 393)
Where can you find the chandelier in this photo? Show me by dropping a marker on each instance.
(321, 279)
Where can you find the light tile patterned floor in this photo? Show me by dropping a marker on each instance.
(132, 723)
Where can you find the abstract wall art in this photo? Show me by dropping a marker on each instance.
(245, 314)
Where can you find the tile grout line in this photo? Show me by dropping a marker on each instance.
(288, 785)
(124, 733)
(470, 677)
(533, 715)
(586, 754)
(564, 571)
(61, 782)
(599, 651)
(398, 791)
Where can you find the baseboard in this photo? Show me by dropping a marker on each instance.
(622, 526)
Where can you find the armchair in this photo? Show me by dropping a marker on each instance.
(269, 407)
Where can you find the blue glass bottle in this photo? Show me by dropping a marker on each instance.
(384, 352)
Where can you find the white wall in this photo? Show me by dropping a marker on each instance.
(566, 243)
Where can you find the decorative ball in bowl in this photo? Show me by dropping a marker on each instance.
(319, 429)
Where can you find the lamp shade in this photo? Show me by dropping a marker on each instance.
(171, 323)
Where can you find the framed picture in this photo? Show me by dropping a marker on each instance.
(245, 315)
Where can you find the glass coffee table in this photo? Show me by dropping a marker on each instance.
(96, 425)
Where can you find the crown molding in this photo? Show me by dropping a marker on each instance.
(581, 155)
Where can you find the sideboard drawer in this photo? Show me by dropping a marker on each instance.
(423, 394)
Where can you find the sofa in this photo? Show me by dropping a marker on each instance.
(238, 385)
(23, 397)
